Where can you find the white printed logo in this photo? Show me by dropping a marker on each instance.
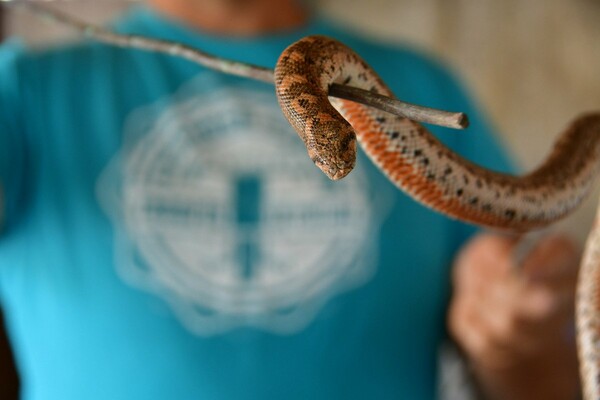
(218, 209)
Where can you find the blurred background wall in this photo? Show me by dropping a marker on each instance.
(531, 65)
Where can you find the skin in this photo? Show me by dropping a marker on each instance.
(235, 17)
(516, 322)
(509, 320)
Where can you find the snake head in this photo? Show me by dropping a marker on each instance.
(302, 75)
(333, 151)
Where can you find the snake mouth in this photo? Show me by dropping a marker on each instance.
(339, 174)
(337, 165)
(332, 170)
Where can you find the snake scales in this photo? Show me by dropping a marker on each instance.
(416, 162)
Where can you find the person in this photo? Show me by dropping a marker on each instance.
(166, 236)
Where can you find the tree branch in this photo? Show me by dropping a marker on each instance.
(394, 106)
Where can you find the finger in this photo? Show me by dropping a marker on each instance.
(484, 271)
(486, 343)
(484, 258)
(548, 280)
(473, 335)
(525, 302)
(553, 260)
(545, 304)
(500, 311)
(512, 309)
(519, 328)
(526, 243)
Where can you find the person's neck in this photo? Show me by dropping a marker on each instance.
(235, 17)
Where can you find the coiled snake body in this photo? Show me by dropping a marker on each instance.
(416, 162)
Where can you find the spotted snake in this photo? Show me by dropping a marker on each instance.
(420, 165)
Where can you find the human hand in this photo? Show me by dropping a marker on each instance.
(516, 323)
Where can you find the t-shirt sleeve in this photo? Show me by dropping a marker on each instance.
(11, 139)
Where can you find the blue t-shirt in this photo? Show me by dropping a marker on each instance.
(167, 236)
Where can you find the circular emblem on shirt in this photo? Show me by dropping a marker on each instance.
(219, 211)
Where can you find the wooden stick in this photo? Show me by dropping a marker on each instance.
(394, 106)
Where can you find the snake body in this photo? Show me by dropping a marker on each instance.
(420, 165)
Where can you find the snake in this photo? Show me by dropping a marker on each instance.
(416, 162)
